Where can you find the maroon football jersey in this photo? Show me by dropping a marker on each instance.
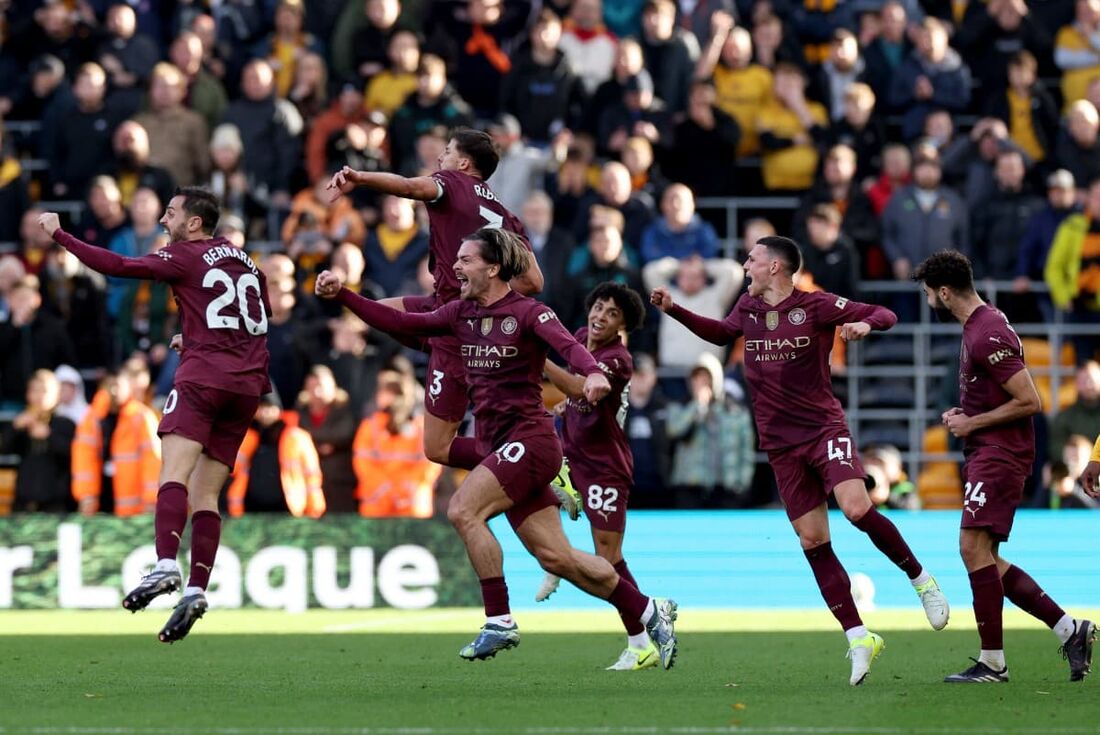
(504, 347)
(466, 205)
(223, 306)
(593, 436)
(787, 350)
(991, 354)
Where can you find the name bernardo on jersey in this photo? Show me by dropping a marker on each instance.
(213, 255)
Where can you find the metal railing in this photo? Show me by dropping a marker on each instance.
(734, 206)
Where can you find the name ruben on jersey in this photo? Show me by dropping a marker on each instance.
(485, 193)
(220, 252)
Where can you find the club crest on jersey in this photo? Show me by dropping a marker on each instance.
(772, 319)
(486, 325)
(796, 316)
(509, 325)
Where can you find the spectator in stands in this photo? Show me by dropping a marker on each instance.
(481, 43)
(363, 52)
(335, 221)
(11, 272)
(970, 160)
(205, 93)
(388, 89)
(127, 56)
(42, 439)
(603, 259)
(569, 189)
(890, 48)
(840, 70)
(81, 146)
(645, 173)
(1073, 271)
(831, 257)
(922, 218)
(671, 53)
(639, 113)
(704, 145)
(540, 89)
(712, 463)
(395, 479)
(434, 103)
(896, 172)
(998, 224)
(680, 232)
(14, 197)
(1066, 491)
(707, 287)
(131, 169)
(553, 246)
(116, 450)
(771, 43)
(48, 98)
(939, 131)
(1039, 236)
(395, 246)
(933, 76)
(147, 319)
(215, 54)
(72, 403)
(277, 468)
(269, 129)
(892, 487)
(177, 135)
(861, 130)
(755, 229)
(309, 94)
(228, 180)
(788, 126)
(1026, 108)
(646, 415)
(616, 192)
(328, 418)
(354, 362)
(838, 186)
(287, 44)
(1083, 416)
(52, 29)
(742, 87)
(77, 296)
(629, 62)
(292, 326)
(134, 240)
(588, 45)
(34, 246)
(345, 110)
(521, 168)
(992, 34)
(104, 216)
(1075, 52)
(1078, 147)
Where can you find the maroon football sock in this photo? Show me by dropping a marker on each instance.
(170, 519)
(989, 598)
(834, 584)
(1027, 595)
(632, 624)
(628, 600)
(206, 532)
(494, 593)
(464, 454)
(886, 537)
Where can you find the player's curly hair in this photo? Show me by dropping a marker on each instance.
(948, 268)
(198, 202)
(478, 146)
(503, 248)
(626, 298)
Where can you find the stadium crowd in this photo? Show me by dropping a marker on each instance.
(902, 127)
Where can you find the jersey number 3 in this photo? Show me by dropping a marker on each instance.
(238, 292)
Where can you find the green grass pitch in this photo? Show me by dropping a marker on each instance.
(384, 672)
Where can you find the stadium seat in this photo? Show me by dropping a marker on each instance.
(1039, 358)
(938, 483)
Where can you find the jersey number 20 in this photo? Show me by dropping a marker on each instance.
(234, 291)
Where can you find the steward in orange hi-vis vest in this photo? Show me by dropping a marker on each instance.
(396, 480)
(299, 471)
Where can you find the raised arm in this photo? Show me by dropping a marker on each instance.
(423, 188)
(571, 384)
(531, 281)
(716, 332)
(154, 266)
(432, 324)
(855, 319)
(551, 331)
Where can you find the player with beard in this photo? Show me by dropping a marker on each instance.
(504, 339)
(994, 421)
(597, 448)
(788, 337)
(224, 308)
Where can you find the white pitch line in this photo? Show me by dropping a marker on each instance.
(392, 621)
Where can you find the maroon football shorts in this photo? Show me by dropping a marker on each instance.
(604, 497)
(215, 418)
(524, 467)
(993, 486)
(447, 394)
(807, 473)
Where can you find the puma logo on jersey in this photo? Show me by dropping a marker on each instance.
(755, 319)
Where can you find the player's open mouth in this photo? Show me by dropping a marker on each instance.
(595, 327)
